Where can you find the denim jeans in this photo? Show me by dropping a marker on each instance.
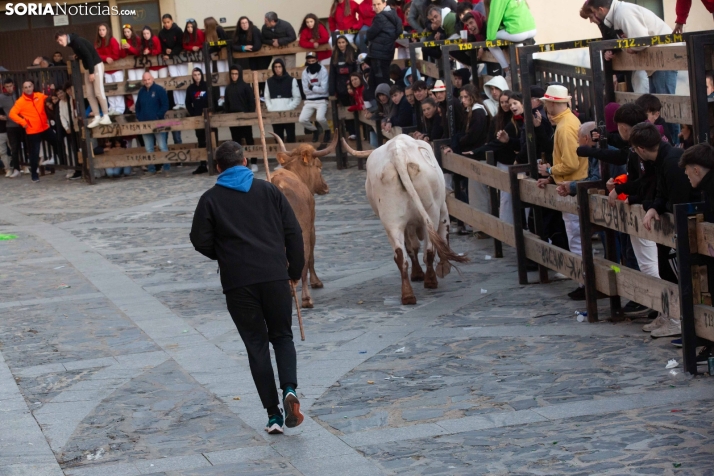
(117, 171)
(663, 82)
(361, 39)
(150, 140)
(177, 137)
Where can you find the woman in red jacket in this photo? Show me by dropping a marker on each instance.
(344, 16)
(193, 39)
(314, 34)
(108, 49)
(131, 45)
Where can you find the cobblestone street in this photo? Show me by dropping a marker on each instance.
(118, 356)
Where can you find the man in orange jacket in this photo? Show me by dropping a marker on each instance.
(29, 112)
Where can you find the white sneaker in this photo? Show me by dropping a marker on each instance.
(8, 172)
(25, 170)
(254, 167)
(105, 120)
(656, 324)
(48, 162)
(15, 173)
(179, 106)
(94, 123)
(673, 327)
(111, 112)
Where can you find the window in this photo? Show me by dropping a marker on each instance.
(85, 19)
(653, 5)
(147, 13)
(44, 21)
(13, 22)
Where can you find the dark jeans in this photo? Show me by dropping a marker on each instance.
(14, 138)
(35, 144)
(243, 132)
(284, 130)
(263, 314)
(628, 254)
(665, 268)
(380, 73)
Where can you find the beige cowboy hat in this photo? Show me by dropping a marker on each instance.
(556, 93)
(439, 86)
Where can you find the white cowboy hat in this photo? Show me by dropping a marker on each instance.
(439, 86)
(556, 93)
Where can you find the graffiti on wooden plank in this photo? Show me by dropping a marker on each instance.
(561, 260)
(183, 57)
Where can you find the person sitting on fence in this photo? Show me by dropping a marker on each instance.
(93, 75)
(342, 65)
(653, 107)
(193, 39)
(312, 35)
(213, 32)
(672, 188)
(275, 33)
(366, 17)
(433, 128)
(152, 105)
(171, 38)
(493, 89)
(240, 98)
(567, 165)
(682, 10)
(282, 93)
(381, 37)
(698, 163)
(344, 16)
(402, 110)
(196, 102)
(108, 50)
(509, 20)
(29, 112)
(247, 39)
(420, 9)
(443, 20)
(635, 21)
(315, 84)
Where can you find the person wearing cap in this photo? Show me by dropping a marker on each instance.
(459, 112)
(315, 84)
(567, 165)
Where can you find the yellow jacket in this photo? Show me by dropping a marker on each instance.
(567, 166)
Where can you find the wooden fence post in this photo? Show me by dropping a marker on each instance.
(586, 238)
(521, 259)
(84, 132)
(358, 133)
(340, 156)
(493, 195)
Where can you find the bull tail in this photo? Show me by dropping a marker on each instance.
(446, 254)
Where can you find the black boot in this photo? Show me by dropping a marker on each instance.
(328, 136)
(318, 132)
(202, 169)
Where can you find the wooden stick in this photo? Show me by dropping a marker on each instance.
(260, 125)
(267, 177)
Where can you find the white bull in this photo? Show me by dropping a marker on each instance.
(406, 189)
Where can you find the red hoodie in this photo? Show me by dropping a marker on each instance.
(111, 51)
(200, 39)
(366, 14)
(683, 7)
(154, 50)
(339, 21)
(307, 41)
(134, 47)
(358, 98)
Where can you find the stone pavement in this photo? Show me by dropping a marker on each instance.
(118, 357)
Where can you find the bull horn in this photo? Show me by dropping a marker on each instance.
(280, 142)
(329, 149)
(356, 153)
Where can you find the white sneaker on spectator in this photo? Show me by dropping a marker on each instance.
(48, 162)
(254, 167)
(179, 106)
(111, 112)
(105, 120)
(656, 324)
(672, 328)
(15, 173)
(94, 122)
(8, 172)
(352, 137)
(25, 170)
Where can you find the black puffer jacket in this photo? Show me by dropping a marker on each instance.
(339, 75)
(197, 97)
(171, 39)
(282, 31)
(386, 28)
(85, 52)
(239, 96)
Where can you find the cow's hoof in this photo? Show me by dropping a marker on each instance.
(431, 284)
(307, 303)
(407, 300)
(417, 277)
(317, 285)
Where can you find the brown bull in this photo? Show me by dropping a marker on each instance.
(299, 180)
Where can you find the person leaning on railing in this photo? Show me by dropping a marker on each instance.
(276, 33)
(312, 35)
(344, 16)
(214, 32)
(247, 39)
(698, 163)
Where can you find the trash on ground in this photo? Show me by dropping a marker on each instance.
(59, 267)
(675, 411)
(616, 269)
(483, 291)
(672, 364)
(169, 262)
(487, 257)
(677, 465)
(400, 350)
(7, 237)
(185, 330)
(371, 382)
(236, 398)
(581, 318)
(360, 302)
(64, 286)
(362, 351)
(673, 372)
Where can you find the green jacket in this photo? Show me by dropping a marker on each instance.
(514, 16)
(449, 24)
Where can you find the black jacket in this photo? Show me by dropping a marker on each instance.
(254, 235)
(434, 128)
(339, 75)
(239, 96)
(543, 138)
(171, 39)
(476, 133)
(85, 51)
(673, 186)
(240, 38)
(386, 28)
(282, 31)
(402, 114)
(507, 153)
(197, 97)
(706, 189)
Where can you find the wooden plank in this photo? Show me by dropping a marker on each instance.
(251, 118)
(705, 239)
(477, 170)
(675, 109)
(289, 49)
(655, 293)
(428, 69)
(481, 221)
(179, 83)
(628, 219)
(546, 197)
(704, 321)
(251, 151)
(147, 127)
(136, 62)
(121, 151)
(170, 114)
(139, 157)
(657, 58)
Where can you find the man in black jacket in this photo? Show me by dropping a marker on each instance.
(249, 227)
(276, 32)
(403, 112)
(239, 97)
(698, 163)
(93, 75)
(386, 28)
